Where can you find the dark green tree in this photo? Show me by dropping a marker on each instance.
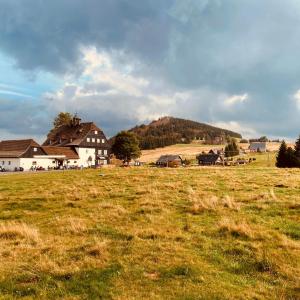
(291, 159)
(297, 148)
(231, 148)
(281, 159)
(126, 146)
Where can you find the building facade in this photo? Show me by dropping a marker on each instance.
(74, 145)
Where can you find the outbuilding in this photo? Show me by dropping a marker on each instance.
(169, 161)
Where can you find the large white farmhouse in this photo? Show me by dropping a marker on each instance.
(74, 145)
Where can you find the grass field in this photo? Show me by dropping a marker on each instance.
(147, 233)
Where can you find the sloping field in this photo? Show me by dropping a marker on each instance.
(191, 150)
(147, 233)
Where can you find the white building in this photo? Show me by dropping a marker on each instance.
(74, 145)
(28, 154)
(88, 140)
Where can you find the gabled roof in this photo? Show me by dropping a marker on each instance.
(70, 135)
(68, 152)
(15, 148)
(168, 158)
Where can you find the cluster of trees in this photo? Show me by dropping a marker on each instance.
(261, 139)
(126, 146)
(288, 157)
(232, 148)
(169, 131)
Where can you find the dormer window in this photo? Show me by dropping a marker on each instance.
(96, 132)
(103, 141)
(98, 141)
(93, 140)
(34, 149)
(88, 140)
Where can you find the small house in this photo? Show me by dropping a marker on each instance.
(258, 147)
(209, 159)
(169, 161)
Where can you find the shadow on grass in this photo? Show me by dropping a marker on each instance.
(88, 284)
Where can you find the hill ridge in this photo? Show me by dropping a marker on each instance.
(169, 130)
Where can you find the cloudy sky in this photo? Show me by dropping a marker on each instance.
(230, 63)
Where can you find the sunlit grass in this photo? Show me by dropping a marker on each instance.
(134, 233)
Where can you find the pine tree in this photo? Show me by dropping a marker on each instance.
(281, 160)
(291, 159)
(297, 148)
(231, 148)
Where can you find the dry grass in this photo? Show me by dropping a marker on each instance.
(17, 231)
(207, 233)
(236, 229)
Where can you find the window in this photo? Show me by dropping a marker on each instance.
(34, 163)
(53, 161)
(9, 162)
(100, 152)
(34, 149)
(88, 140)
(3, 162)
(103, 141)
(105, 152)
(75, 162)
(96, 132)
(93, 140)
(98, 141)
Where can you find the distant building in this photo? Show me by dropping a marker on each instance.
(216, 151)
(169, 161)
(209, 159)
(258, 147)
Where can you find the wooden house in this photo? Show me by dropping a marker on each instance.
(169, 161)
(209, 159)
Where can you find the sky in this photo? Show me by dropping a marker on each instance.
(229, 63)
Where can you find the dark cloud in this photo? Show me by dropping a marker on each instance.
(226, 47)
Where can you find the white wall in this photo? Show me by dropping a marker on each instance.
(84, 154)
(27, 163)
(10, 163)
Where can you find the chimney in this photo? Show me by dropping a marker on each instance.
(76, 120)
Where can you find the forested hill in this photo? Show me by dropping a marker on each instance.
(169, 131)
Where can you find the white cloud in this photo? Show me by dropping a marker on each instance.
(236, 99)
(297, 98)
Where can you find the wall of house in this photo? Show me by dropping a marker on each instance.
(84, 154)
(27, 163)
(10, 163)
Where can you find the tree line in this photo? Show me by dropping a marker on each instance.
(288, 157)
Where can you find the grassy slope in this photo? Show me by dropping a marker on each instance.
(200, 233)
(190, 151)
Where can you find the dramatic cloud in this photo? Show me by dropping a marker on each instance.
(119, 62)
